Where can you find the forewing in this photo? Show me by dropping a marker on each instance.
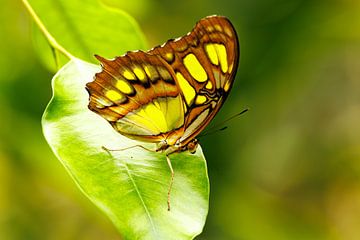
(204, 63)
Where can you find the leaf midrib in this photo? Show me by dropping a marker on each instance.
(140, 197)
(75, 34)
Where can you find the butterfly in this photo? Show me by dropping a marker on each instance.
(169, 94)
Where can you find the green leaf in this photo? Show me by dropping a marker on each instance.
(87, 27)
(130, 186)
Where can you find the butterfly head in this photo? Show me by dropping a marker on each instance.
(192, 145)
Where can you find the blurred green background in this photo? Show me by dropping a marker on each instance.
(287, 169)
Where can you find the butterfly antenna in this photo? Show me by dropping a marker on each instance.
(218, 128)
(212, 132)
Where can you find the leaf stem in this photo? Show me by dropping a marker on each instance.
(43, 29)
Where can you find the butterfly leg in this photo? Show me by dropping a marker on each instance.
(123, 149)
(171, 180)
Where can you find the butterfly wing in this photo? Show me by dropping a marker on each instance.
(138, 95)
(205, 63)
(174, 88)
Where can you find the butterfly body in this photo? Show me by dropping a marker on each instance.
(170, 93)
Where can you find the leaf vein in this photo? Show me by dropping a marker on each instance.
(140, 196)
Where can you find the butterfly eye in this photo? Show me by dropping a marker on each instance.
(192, 146)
